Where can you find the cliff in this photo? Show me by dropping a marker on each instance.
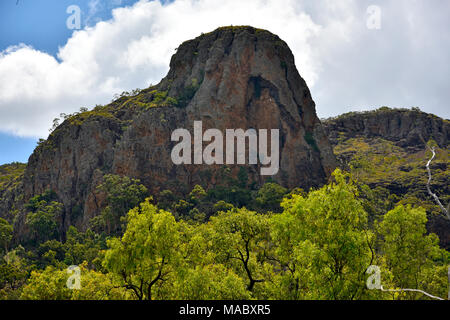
(403, 126)
(385, 149)
(234, 77)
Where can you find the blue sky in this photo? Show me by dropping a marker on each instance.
(15, 149)
(47, 69)
(42, 25)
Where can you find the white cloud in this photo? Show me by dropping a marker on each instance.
(131, 50)
(340, 59)
(403, 64)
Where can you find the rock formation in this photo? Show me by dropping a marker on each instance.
(405, 177)
(234, 77)
(404, 127)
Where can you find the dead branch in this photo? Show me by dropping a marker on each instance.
(413, 290)
(433, 195)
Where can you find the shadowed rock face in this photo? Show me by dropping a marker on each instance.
(236, 77)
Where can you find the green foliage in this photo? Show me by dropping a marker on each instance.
(13, 274)
(398, 171)
(51, 284)
(211, 282)
(10, 173)
(79, 247)
(122, 194)
(235, 195)
(160, 99)
(165, 199)
(43, 217)
(6, 232)
(324, 242)
(79, 118)
(317, 245)
(147, 253)
(197, 194)
(242, 178)
(270, 196)
(239, 237)
(36, 202)
(222, 206)
(182, 208)
(409, 253)
(84, 247)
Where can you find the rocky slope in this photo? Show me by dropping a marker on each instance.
(385, 149)
(403, 126)
(234, 77)
(11, 189)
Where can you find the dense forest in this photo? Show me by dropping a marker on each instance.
(238, 241)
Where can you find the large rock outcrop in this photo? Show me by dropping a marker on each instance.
(234, 77)
(391, 143)
(407, 128)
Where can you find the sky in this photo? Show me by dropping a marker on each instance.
(354, 54)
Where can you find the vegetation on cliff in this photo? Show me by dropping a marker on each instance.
(386, 149)
(275, 244)
(240, 241)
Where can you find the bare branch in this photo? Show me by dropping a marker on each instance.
(433, 195)
(413, 290)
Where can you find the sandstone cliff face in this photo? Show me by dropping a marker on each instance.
(237, 77)
(404, 127)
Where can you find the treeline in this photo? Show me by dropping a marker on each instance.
(231, 242)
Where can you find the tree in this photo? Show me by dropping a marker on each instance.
(147, 252)
(122, 194)
(51, 284)
(13, 274)
(197, 194)
(222, 206)
(409, 253)
(98, 286)
(270, 196)
(166, 199)
(239, 236)
(182, 208)
(84, 247)
(323, 242)
(42, 221)
(211, 282)
(6, 231)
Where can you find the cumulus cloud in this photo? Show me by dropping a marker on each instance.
(344, 63)
(403, 64)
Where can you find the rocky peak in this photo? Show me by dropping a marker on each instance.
(232, 78)
(405, 127)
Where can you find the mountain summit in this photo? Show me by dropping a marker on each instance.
(231, 78)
